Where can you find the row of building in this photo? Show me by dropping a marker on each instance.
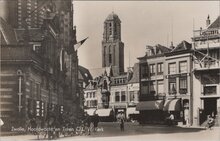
(183, 80)
(40, 75)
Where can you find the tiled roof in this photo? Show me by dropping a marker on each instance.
(35, 34)
(215, 24)
(84, 74)
(184, 45)
(163, 49)
(135, 76)
(7, 33)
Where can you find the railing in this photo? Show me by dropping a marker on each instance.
(207, 32)
(210, 64)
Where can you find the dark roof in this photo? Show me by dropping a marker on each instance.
(112, 16)
(163, 49)
(7, 33)
(135, 76)
(35, 34)
(84, 74)
(215, 24)
(184, 45)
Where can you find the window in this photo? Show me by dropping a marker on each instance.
(123, 96)
(210, 90)
(144, 71)
(37, 48)
(172, 86)
(153, 88)
(152, 69)
(144, 88)
(90, 95)
(132, 97)
(172, 68)
(117, 97)
(110, 58)
(160, 87)
(183, 85)
(160, 68)
(87, 95)
(95, 102)
(183, 67)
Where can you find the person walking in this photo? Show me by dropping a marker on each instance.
(122, 124)
(87, 121)
(95, 122)
(171, 119)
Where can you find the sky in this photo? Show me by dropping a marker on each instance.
(142, 23)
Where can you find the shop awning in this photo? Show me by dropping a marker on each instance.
(90, 111)
(132, 110)
(103, 112)
(172, 105)
(150, 105)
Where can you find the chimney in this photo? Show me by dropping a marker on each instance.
(171, 46)
(208, 21)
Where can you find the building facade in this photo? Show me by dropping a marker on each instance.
(178, 82)
(39, 74)
(206, 68)
(152, 84)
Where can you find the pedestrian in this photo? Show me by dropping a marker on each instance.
(122, 124)
(87, 122)
(95, 122)
(210, 122)
(171, 119)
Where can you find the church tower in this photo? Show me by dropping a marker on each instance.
(112, 46)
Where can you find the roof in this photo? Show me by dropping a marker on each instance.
(113, 16)
(215, 24)
(7, 33)
(135, 76)
(154, 51)
(84, 74)
(163, 49)
(184, 45)
(96, 72)
(35, 34)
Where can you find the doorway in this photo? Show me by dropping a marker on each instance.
(210, 106)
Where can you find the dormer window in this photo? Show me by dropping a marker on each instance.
(37, 48)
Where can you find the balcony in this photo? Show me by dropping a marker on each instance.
(207, 64)
(206, 33)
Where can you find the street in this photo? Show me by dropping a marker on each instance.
(133, 131)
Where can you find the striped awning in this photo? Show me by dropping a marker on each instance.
(150, 105)
(172, 105)
(90, 111)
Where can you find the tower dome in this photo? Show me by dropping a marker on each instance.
(112, 16)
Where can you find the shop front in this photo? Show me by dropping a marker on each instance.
(151, 111)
